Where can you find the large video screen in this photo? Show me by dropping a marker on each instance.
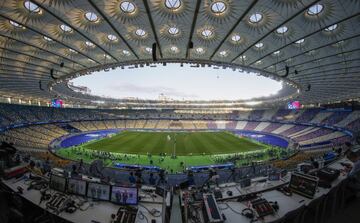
(56, 103)
(294, 105)
(124, 195)
(98, 191)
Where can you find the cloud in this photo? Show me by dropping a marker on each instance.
(131, 89)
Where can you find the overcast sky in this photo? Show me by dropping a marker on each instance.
(178, 83)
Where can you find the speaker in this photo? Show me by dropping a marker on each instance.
(287, 71)
(191, 45)
(40, 86)
(52, 73)
(154, 52)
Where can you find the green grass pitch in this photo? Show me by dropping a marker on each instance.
(185, 143)
(192, 148)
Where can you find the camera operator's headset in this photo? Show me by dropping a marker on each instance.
(248, 212)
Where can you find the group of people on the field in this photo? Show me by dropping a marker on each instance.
(233, 158)
(102, 155)
(248, 157)
(138, 179)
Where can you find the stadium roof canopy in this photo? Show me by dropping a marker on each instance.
(45, 42)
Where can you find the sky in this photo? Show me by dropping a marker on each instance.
(178, 83)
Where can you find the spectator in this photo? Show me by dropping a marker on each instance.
(81, 168)
(34, 169)
(46, 166)
(190, 178)
(354, 180)
(355, 158)
(138, 182)
(132, 179)
(152, 179)
(74, 172)
(161, 177)
(213, 177)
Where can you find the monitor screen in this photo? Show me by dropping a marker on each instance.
(98, 191)
(57, 183)
(124, 195)
(76, 187)
(303, 184)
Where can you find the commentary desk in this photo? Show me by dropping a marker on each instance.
(324, 203)
(97, 211)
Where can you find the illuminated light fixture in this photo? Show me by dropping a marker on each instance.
(127, 7)
(112, 37)
(236, 38)
(223, 53)
(65, 28)
(47, 38)
(140, 32)
(259, 45)
(200, 50)
(89, 44)
(282, 30)
(276, 52)
(172, 4)
(218, 7)
(207, 33)
(174, 49)
(173, 30)
(107, 56)
(331, 28)
(148, 49)
(32, 7)
(126, 52)
(91, 16)
(315, 9)
(300, 41)
(15, 24)
(255, 18)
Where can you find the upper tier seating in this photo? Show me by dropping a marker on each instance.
(19, 114)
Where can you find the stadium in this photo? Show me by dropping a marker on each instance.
(179, 111)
